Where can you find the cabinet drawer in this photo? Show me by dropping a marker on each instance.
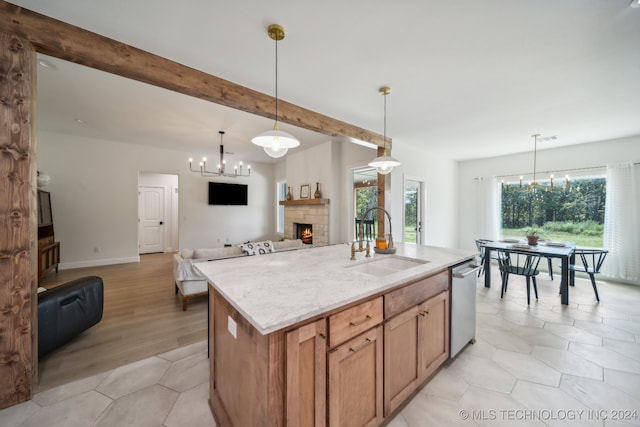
(401, 299)
(351, 322)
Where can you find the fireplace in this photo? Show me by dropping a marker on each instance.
(310, 213)
(304, 232)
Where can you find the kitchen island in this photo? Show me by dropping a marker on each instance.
(308, 337)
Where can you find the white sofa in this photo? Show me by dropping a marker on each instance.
(190, 284)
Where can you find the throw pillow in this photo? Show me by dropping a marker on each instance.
(257, 248)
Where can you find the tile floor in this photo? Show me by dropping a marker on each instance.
(546, 364)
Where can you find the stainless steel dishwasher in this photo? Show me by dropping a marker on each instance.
(463, 306)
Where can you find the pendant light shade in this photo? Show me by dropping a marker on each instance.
(275, 142)
(384, 164)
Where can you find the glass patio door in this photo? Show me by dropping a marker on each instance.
(413, 208)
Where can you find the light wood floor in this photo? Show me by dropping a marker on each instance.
(142, 317)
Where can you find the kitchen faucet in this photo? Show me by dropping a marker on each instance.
(361, 235)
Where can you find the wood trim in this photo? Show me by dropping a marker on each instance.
(302, 202)
(18, 221)
(62, 40)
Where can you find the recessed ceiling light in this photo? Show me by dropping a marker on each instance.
(82, 122)
(46, 64)
(635, 3)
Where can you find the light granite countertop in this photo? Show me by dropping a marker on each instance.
(283, 288)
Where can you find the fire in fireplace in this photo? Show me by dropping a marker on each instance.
(305, 232)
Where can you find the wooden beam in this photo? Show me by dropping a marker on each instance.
(62, 40)
(18, 294)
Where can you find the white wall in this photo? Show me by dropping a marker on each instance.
(563, 158)
(441, 177)
(329, 164)
(94, 195)
(95, 204)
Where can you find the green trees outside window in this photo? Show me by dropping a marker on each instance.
(573, 215)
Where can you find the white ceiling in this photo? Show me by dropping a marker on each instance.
(468, 79)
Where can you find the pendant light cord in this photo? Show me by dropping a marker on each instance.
(384, 126)
(276, 124)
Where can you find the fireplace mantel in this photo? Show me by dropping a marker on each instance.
(304, 202)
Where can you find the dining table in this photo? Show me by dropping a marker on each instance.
(561, 250)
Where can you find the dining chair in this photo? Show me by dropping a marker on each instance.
(592, 260)
(481, 253)
(521, 263)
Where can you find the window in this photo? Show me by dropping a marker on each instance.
(281, 194)
(574, 214)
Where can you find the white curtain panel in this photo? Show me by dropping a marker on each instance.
(622, 224)
(489, 217)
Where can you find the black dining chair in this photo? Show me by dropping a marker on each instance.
(481, 253)
(592, 260)
(520, 263)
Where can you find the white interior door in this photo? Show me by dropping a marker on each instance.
(151, 220)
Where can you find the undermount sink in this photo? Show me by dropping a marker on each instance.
(385, 265)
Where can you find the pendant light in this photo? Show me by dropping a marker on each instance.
(384, 164)
(275, 142)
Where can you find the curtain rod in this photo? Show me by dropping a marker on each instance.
(556, 171)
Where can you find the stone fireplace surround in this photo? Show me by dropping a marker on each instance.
(312, 211)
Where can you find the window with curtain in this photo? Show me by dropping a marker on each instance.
(622, 223)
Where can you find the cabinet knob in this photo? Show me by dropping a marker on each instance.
(323, 336)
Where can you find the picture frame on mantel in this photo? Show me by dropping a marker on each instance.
(305, 191)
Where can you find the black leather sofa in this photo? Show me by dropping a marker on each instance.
(67, 310)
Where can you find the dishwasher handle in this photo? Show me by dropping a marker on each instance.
(464, 272)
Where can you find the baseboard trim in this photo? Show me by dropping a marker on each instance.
(97, 262)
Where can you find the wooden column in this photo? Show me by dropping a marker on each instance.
(18, 291)
(381, 187)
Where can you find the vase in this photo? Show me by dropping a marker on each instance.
(289, 196)
(317, 193)
(43, 180)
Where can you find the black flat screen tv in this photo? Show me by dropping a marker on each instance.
(221, 193)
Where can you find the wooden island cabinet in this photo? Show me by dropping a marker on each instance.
(353, 365)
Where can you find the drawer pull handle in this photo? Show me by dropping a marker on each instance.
(361, 346)
(366, 319)
(425, 312)
(323, 336)
(421, 313)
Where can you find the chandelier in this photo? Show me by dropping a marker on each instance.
(221, 170)
(384, 164)
(534, 185)
(275, 142)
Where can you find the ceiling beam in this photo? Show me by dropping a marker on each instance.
(62, 40)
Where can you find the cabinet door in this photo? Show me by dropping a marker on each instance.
(306, 375)
(401, 355)
(433, 333)
(355, 381)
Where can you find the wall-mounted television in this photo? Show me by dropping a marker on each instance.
(221, 193)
